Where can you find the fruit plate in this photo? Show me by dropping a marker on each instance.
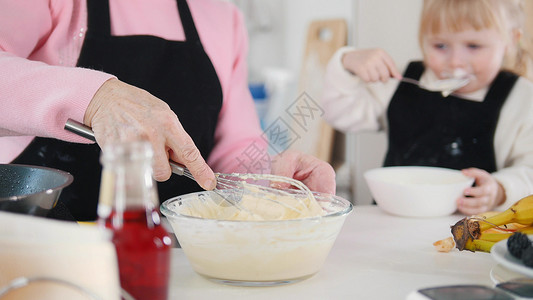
(499, 274)
(502, 256)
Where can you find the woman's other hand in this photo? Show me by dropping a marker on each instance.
(120, 112)
(484, 196)
(371, 65)
(316, 174)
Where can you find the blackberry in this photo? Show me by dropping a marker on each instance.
(527, 256)
(517, 243)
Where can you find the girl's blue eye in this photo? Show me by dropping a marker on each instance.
(474, 46)
(440, 46)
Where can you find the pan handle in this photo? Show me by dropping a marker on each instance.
(87, 132)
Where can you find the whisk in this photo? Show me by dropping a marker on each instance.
(232, 187)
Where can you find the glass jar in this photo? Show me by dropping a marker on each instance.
(128, 205)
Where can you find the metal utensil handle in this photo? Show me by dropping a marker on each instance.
(87, 132)
(410, 80)
(80, 129)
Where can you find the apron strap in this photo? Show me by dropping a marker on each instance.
(415, 70)
(98, 20)
(500, 89)
(188, 23)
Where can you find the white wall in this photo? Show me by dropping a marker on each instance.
(278, 29)
(391, 25)
(265, 22)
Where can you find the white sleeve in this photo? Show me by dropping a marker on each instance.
(351, 105)
(517, 182)
(513, 144)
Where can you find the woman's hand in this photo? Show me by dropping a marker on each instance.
(485, 196)
(121, 112)
(371, 65)
(316, 174)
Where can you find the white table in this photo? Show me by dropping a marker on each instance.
(376, 256)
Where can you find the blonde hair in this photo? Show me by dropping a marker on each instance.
(505, 16)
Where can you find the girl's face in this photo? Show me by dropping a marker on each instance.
(479, 54)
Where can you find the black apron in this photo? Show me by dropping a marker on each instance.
(178, 72)
(427, 129)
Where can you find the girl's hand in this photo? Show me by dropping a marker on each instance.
(121, 112)
(485, 196)
(371, 65)
(318, 175)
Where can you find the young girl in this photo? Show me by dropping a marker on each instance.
(484, 128)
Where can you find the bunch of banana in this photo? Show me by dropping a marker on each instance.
(480, 233)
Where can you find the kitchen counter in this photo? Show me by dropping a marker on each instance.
(376, 256)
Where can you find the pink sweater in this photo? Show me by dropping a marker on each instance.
(40, 41)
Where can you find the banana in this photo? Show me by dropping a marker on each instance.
(521, 212)
(487, 214)
(479, 245)
(496, 235)
(471, 228)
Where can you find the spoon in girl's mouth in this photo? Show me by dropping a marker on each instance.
(461, 77)
(445, 86)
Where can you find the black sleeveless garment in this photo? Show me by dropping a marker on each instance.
(427, 129)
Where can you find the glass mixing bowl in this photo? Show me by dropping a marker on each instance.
(256, 253)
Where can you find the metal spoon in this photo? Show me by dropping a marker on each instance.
(445, 86)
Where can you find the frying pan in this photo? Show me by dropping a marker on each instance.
(31, 190)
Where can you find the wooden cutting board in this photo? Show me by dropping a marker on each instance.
(316, 137)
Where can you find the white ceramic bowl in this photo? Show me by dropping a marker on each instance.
(417, 191)
(256, 253)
